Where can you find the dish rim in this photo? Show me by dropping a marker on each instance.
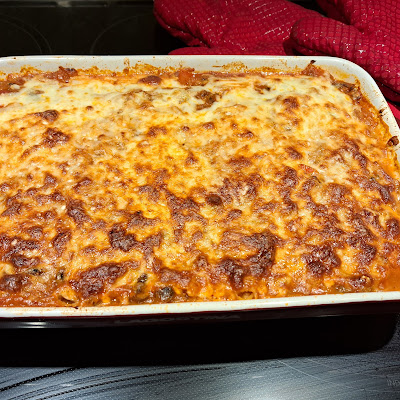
(334, 65)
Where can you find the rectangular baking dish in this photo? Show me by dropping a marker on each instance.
(228, 310)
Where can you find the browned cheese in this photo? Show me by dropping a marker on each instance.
(176, 186)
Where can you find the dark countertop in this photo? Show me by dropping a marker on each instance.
(352, 357)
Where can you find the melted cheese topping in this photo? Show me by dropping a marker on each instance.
(127, 189)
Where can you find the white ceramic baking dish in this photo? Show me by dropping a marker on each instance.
(293, 306)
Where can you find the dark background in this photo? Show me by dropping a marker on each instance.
(85, 27)
(342, 357)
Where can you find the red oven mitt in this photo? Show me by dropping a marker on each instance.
(231, 26)
(366, 32)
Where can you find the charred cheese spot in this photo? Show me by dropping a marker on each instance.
(321, 260)
(214, 200)
(12, 84)
(13, 208)
(62, 74)
(209, 125)
(95, 280)
(152, 80)
(291, 103)
(53, 137)
(48, 115)
(61, 240)
(392, 228)
(156, 130)
(83, 184)
(76, 211)
(138, 220)
(13, 283)
(393, 141)
(135, 188)
(120, 240)
(246, 135)
(208, 99)
(35, 232)
(293, 153)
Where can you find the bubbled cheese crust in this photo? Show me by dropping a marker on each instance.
(182, 186)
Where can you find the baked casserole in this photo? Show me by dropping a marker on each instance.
(179, 185)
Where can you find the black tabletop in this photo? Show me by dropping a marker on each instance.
(352, 357)
(345, 357)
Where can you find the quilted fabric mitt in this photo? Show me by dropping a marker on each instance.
(231, 26)
(367, 33)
